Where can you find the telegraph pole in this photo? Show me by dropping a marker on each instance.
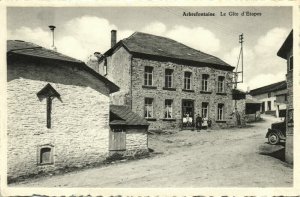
(236, 74)
(242, 55)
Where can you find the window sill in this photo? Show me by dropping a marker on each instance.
(150, 119)
(170, 89)
(149, 87)
(205, 92)
(45, 164)
(169, 119)
(221, 93)
(185, 90)
(220, 121)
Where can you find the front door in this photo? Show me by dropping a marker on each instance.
(117, 139)
(187, 114)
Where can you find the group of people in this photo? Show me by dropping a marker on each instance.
(200, 122)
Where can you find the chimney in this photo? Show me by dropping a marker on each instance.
(51, 27)
(113, 37)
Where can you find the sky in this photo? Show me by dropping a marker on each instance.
(81, 31)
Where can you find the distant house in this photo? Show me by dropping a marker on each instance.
(248, 107)
(273, 98)
(58, 111)
(286, 52)
(128, 131)
(167, 82)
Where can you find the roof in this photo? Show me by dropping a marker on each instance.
(28, 49)
(269, 88)
(126, 116)
(158, 46)
(286, 46)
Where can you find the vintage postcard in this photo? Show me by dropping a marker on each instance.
(150, 98)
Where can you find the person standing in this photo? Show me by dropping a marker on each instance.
(198, 122)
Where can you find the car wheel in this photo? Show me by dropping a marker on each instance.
(273, 138)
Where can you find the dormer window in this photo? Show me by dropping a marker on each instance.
(48, 93)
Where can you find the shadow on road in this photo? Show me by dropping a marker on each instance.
(276, 151)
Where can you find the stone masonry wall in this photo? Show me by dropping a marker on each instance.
(136, 139)
(119, 72)
(79, 133)
(159, 95)
(290, 126)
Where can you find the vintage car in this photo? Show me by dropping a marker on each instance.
(276, 133)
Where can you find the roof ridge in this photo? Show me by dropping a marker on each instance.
(270, 85)
(130, 35)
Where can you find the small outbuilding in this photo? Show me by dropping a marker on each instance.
(248, 107)
(128, 133)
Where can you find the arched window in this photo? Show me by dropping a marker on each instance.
(45, 154)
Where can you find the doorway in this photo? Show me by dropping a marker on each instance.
(187, 114)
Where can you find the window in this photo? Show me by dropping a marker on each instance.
(290, 116)
(291, 63)
(205, 82)
(269, 105)
(168, 108)
(220, 111)
(187, 80)
(105, 67)
(48, 93)
(148, 108)
(263, 107)
(45, 154)
(49, 109)
(168, 78)
(204, 113)
(221, 83)
(148, 76)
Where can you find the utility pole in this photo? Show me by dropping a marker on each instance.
(236, 74)
(242, 55)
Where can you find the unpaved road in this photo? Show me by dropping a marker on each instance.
(223, 158)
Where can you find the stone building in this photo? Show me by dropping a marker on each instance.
(286, 52)
(249, 109)
(58, 111)
(273, 98)
(167, 82)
